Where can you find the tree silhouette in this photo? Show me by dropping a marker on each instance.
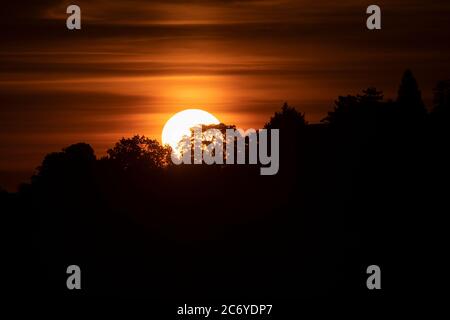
(441, 99)
(125, 218)
(139, 152)
(288, 119)
(73, 163)
(440, 113)
(292, 125)
(370, 97)
(220, 127)
(187, 144)
(357, 116)
(409, 98)
(352, 110)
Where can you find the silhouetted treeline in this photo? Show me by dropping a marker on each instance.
(366, 186)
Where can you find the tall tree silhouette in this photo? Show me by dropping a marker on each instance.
(292, 125)
(409, 98)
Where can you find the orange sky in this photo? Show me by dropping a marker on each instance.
(135, 63)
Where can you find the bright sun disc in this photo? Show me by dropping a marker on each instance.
(180, 124)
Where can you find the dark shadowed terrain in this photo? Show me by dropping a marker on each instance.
(366, 186)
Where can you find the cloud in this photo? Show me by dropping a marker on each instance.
(32, 103)
(134, 62)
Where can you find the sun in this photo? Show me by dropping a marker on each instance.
(180, 124)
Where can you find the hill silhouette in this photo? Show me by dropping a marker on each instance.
(363, 187)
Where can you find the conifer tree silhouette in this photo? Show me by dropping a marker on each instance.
(409, 98)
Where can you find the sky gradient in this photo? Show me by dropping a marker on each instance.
(135, 63)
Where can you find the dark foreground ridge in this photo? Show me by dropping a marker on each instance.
(366, 186)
